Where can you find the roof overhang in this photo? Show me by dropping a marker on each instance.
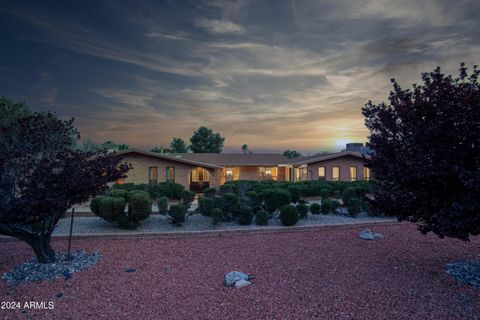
(332, 156)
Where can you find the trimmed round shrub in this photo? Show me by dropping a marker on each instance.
(348, 194)
(177, 213)
(141, 192)
(139, 206)
(187, 197)
(295, 193)
(335, 205)
(217, 215)
(289, 215)
(327, 206)
(94, 205)
(105, 208)
(230, 203)
(325, 193)
(302, 210)
(254, 199)
(315, 208)
(205, 205)
(261, 218)
(276, 198)
(119, 193)
(209, 192)
(246, 215)
(162, 205)
(354, 207)
(171, 190)
(119, 207)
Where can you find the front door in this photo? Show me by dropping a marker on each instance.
(199, 180)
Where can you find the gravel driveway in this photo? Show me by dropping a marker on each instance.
(318, 274)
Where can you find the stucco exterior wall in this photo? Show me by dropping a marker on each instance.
(343, 162)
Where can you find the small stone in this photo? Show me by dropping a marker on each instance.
(366, 235)
(59, 295)
(130, 270)
(242, 283)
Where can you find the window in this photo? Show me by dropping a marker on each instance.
(121, 181)
(152, 175)
(229, 174)
(268, 173)
(353, 173)
(321, 173)
(170, 174)
(200, 175)
(366, 173)
(335, 173)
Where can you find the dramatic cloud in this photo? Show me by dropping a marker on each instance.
(275, 75)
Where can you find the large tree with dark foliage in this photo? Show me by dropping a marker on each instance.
(426, 153)
(204, 140)
(178, 145)
(291, 154)
(43, 173)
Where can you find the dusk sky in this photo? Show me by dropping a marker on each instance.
(275, 75)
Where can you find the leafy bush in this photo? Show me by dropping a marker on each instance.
(119, 193)
(253, 198)
(205, 205)
(327, 206)
(171, 190)
(302, 210)
(315, 208)
(105, 208)
(276, 198)
(162, 205)
(187, 198)
(141, 192)
(246, 215)
(289, 215)
(119, 207)
(177, 214)
(348, 194)
(139, 206)
(325, 193)
(209, 192)
(261, 218)
(354, 207)
(217, 215)
(230, 204)
(94, 205)
(294, 192)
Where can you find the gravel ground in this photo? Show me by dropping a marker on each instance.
(317, 274)
(159, 223)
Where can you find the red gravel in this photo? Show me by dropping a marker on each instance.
(326, 274)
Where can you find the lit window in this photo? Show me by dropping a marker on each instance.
(229, 174)
(321, 173)
(152, 175)
(336, 173)
(353, 173)
(366, 173)
(170, 174)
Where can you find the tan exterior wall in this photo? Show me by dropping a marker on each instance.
(141, 163)
(344, 163)
(251, 173)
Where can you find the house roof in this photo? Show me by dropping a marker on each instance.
(167, 157)
(313, 159)
(234, 159)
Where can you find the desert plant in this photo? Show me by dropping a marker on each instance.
(187, 198)
(119, 193)
(205, 205)
(177, 214)
(119, 204)
(289, 215)
(105, 208)
(327, 206)
(245, 216)
(171, 190)
(209, 192)
(325, 193)
(348, 194)
(302, 210)
(354, 207)
(217, 215)
(294, 192)
(275, 199)
(139, 206)
(230, 204)
(315, 208)
(162, 205)
(261, 218)
(335, 206)
(253, 198)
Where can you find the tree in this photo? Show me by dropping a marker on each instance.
(178, 145)
(43, 173)
(112, 146)
(426, 153)
(245, 149)
(204, 140)
(161, 150)
(290, 154)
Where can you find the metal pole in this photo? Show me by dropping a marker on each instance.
(70, 235)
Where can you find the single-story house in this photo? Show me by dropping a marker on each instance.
(197, 171)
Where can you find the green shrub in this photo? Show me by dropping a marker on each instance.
(348, 194)
(327, 206)
(119, 207)
(302, 210)
(94, 205)
(254, 199)
(171, 190)
(217, 215)
(246, 215)
(105, 208)
(177, 214)
(276, 198)
(209, 192)
(162, 205)
(294, 192)
(354, 207)
(325, 193)
(370, 210)
(141, 192)
(187, 198)
(230, 204)
(261, 218)
(289, 215)
(335, 206)
(119, 193)
(315, 208)
(205, 205)
(139, 206)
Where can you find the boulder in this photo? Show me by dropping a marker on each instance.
(366, 235)
(234, 276)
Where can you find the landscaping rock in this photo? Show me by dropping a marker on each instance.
(242, 283)
(234, 276)
(366, 235)
(130, 270)
(378, 236)
(63, 267)
(466, 271)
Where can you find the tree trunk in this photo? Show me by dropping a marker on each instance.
(43, 250)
